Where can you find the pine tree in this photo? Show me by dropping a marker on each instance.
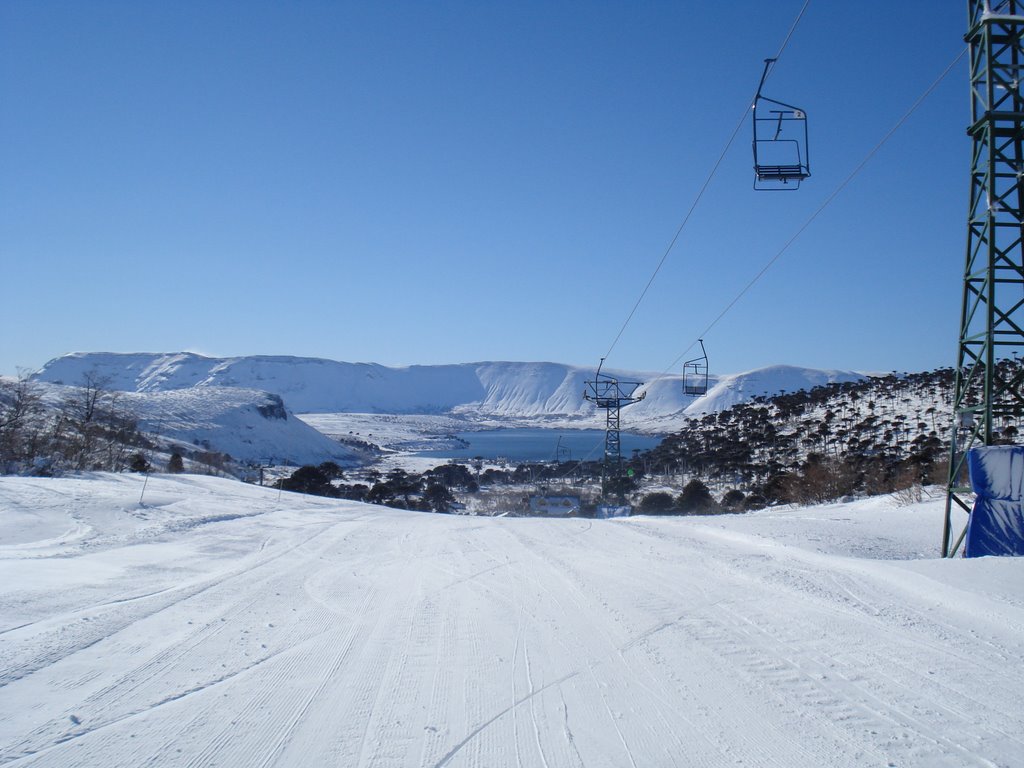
(175, 464)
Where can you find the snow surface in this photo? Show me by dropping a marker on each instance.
(533, 393)
(219, 623)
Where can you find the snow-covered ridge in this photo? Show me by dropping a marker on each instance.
(498, 389)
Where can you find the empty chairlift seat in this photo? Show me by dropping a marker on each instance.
(996, 525)
(781, 158)
(695, 374)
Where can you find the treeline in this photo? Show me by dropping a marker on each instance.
(431, 491)
(497, 490)
(435, 489)
(879, 435)
(695, 499)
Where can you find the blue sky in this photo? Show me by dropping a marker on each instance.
(417, 183)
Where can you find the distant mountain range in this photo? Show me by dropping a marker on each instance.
(516, 391)
(245, 406)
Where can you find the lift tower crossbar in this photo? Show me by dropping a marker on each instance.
(988, 383)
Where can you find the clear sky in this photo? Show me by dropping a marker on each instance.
(418, 183)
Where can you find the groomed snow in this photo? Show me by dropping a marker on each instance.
(222, 624)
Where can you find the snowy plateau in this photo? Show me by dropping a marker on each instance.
(198, 621)
(400, 407)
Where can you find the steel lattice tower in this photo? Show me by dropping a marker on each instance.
(612, 395)
(987, 381)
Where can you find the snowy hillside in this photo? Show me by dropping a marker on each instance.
(490, 389)
(248, 425)
(773, 380)
(218, 624)
(724, 392)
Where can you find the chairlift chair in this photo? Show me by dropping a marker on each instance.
(695, 374)
(781, 159)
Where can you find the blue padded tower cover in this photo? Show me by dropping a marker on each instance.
(996, 525)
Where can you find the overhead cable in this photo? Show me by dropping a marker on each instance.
(828, 200)
(703, 188)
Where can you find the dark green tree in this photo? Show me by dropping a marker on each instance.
(696, 499)
(401, 483)
(175, 465)
(139, 463)
(733, 500)
(658, 503)
(754, 501)
(331, 470)
(309, 479)
(438, 498)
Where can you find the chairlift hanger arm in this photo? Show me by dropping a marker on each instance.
(598, 375)
(764, 76)
(703, 352)
(794, 110)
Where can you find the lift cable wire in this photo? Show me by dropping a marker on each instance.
(792, 29)
(700, 194)
(771, 262)
(703, 188)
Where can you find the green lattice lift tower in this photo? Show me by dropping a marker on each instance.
(612, 395)
(988, 378)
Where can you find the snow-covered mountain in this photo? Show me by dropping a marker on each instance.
(503, 390)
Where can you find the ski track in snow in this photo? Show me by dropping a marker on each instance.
(225, 626)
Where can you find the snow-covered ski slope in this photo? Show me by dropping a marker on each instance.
(216, 624)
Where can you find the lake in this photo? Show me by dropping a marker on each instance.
(535, 444)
